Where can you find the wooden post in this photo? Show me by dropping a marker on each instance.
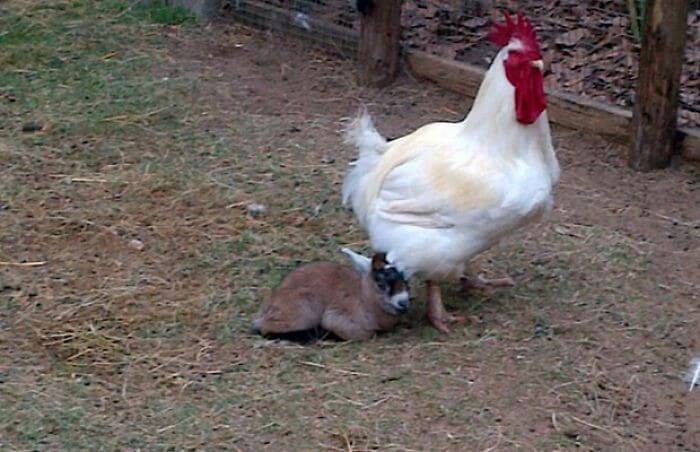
(660, 64)
(380, 34)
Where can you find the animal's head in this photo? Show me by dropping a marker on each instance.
(523, 65)
(389, 281)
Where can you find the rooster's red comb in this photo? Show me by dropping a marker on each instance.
(521, 29)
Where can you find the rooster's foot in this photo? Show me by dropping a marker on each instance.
(442, 320)
(437, 315)
(479, 282)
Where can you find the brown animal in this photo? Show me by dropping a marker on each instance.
(352, 304)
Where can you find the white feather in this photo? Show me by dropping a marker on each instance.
(302, 21)
(693, 376)
(364, 136)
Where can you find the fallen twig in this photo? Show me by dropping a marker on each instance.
(134, 118)
(23, 264)
(690, 224)
(342, 371)
(85, 179)
(594, 426)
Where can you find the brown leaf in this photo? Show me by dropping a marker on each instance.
(551, 81)
(450, 51)
(475, 22)
(572, 37)
(557, 68)
(582, 12)
(619, 25)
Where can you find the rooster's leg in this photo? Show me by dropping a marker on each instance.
(479, 282)
(436, 310)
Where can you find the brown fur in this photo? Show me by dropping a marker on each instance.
(326, 294)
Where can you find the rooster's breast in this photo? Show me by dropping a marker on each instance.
(435, 213)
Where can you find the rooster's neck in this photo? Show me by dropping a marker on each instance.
(492, 116)
(492, 122)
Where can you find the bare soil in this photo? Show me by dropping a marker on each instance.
(133, 333)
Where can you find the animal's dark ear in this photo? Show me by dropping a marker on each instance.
(378, 261)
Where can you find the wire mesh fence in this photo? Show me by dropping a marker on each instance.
(331, 23)
(592, 46)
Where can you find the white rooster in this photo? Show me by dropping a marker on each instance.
(437, 197)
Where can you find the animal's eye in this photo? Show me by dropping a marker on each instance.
(388, 278)
(380, 278)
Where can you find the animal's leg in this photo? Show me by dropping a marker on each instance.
(344, 327)
(479, 282)
(297, 315)
(436, 309)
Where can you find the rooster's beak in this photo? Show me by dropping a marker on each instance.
(539, 64)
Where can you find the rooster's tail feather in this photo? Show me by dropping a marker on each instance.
(362, 134)
(370, 145)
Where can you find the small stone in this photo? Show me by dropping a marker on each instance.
(9, 97)
(136, 244)
(256, 209)
(32, 127)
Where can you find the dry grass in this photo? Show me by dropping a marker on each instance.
(130, 329)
